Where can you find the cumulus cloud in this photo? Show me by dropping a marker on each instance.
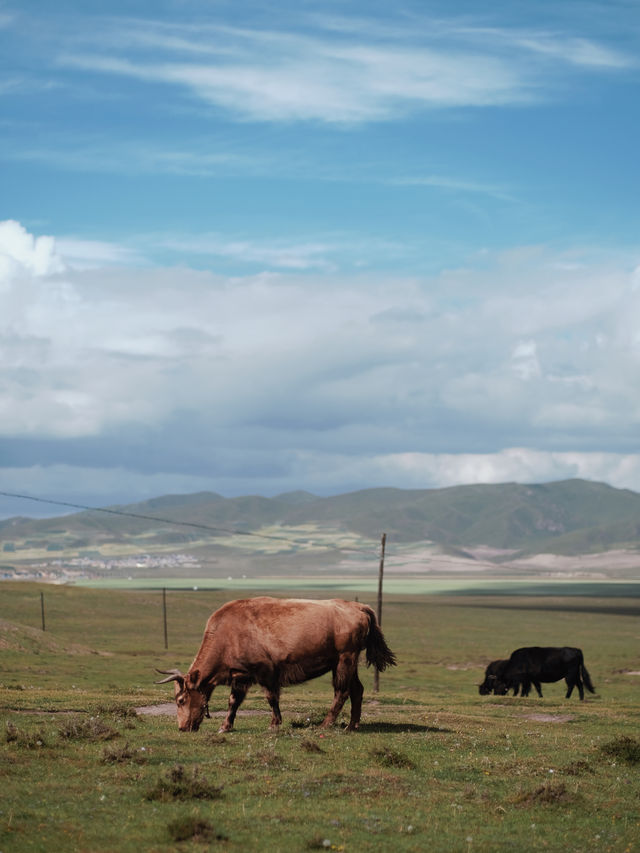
(21, 252)
(328, 382)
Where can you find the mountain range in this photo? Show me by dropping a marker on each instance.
(568, 518)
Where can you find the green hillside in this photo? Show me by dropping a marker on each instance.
(569, 517)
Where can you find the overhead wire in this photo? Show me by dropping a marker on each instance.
(195, 524)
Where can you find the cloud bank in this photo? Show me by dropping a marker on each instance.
(127, 381)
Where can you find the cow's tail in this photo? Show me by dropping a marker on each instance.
(586, 679)
(378, 652)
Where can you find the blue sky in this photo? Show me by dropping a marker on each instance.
(255, 247)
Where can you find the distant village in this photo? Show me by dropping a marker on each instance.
(61, 570)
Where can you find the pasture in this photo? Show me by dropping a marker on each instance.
(435, 766)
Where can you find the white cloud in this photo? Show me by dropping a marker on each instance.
(577, 51)
(521, 465)
(22, 252)
(344, 86)
(525, 360)
(338, 379)
(345, 74)
(94, 254)
(295, 256)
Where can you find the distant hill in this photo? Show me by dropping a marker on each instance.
(568, 517)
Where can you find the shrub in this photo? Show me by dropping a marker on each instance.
(311, 746)
(544, 795)
(391, 758)
(623, 748)
(193, 829)
(81, 728)
(577, 768)
(122, 755)
(177, 784)
(27, 740)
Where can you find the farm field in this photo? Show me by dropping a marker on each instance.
(435, 766)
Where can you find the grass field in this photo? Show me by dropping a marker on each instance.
(435, 766)
(350, 585)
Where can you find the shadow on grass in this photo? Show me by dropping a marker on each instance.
(618, 599)
(400, 728)
(626, 609)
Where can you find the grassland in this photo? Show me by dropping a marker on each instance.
(435, 767)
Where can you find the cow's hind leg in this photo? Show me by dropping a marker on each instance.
(238, 693)
(343, 674)
(573, 680)
(273, 698)
(355, 694)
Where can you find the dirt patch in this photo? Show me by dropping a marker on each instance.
(165, 710)
(549, 718)
(168, 709)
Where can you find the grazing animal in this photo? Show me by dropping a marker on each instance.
(494, 683)
(536, 664)
(275, 642)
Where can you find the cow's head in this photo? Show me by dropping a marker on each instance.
(191, 701)
(487, 685)
(492, 684)
(493, 679)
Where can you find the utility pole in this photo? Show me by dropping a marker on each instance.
(164, 615)
(383, 542)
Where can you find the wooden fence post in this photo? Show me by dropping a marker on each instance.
(42, 608)
(383, 542)
(164, 616)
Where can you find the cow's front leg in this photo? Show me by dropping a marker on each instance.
(238, 692)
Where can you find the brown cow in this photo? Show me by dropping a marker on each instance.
(275, 642)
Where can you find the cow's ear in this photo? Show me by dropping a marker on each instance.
(193, 676)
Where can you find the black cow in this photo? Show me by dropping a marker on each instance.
(536, 664)
(494, 681)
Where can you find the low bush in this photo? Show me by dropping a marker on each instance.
(623, 748)
(194, 829)
(550, 794)
(177, 784)
(391, 758)
(122, 755)
(86, 728)
(24, 739)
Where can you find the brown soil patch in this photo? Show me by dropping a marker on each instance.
(549, 718)
(168, 709)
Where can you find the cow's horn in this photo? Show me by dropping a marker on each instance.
(172, 675)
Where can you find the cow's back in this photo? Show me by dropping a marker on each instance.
(544, 662)
(252, 631)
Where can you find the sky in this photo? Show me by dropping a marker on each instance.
(256, 247)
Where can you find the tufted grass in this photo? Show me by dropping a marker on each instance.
(435, 766)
